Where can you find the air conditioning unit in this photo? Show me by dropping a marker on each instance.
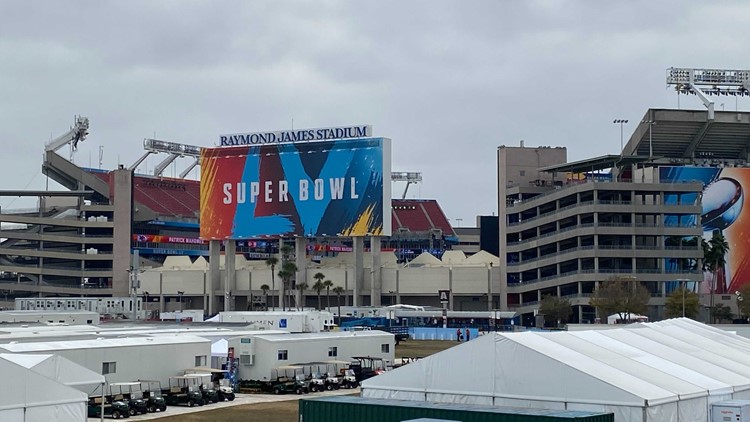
(731, 411)
(247, 359)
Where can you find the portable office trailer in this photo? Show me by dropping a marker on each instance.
(127, 359)
(51, 317)
(101, 305)
(295, 322)
(259, 355)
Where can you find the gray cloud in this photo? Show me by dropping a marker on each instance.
(447, 81)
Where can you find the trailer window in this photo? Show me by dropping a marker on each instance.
(109, 368)
(385, 348)
(333, 351)
(283, 355)
(200, 360)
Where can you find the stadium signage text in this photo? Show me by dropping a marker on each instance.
(299, 135)
(268, 191)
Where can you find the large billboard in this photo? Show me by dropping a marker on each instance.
(723, 200)
(304, 188)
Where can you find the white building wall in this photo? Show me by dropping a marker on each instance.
(157, 362)
(423, 280)
(305, 349)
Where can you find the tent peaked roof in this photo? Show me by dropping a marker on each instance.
(648, 372)
(483, 258)
(59, 369)
(425, 258)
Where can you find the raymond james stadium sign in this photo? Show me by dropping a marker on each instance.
(296, 135)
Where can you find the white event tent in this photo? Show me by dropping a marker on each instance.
(62, 370)
(32, 397)
(670, 371)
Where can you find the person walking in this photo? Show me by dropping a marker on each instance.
(458, 334)
(467, 334)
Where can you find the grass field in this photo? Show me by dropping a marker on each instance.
(286, 411)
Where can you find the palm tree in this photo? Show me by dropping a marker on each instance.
(271, 262)
(318, 287)
(288, 269)
(287, 272)
(301, 287)
(328, 284)
(338, 290)
(318, 282)
(265, 289)
(716, 261)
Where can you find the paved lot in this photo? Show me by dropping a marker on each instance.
(240, 400)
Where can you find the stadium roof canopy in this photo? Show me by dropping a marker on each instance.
(689, 134)
(597, 163)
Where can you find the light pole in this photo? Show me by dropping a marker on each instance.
(621, 122)
(179, 294)
(650, 123)
(739, 304)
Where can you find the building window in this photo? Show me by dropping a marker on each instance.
(385, 348)
(333, 351)
(523, 173)
(283, 355)
(109, 368)
(200, 360)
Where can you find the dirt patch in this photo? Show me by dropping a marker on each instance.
(281, 411)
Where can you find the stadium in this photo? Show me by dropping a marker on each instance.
(564, 227)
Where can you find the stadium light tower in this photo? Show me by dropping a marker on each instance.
(621, 122)
(408, 177)
(705, 82)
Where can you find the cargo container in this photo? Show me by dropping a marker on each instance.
(348, 408)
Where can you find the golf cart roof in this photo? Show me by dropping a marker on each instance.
(182, 377)
(206, 369)
(312, 363)
(366, 358)
(289, 367)
(125, 384)
(150, 381)
(338, 362)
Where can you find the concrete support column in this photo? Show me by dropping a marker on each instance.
(161, 293)
(398, 289)
(450, 288)
(230, 272)
(489, 288)
(376, 281)
(300, 254)
(214, 272)
(359, 269)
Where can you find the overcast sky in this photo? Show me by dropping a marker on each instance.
(447, 81)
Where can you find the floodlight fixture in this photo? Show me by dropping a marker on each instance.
(705, 82)
(408, 177)
(155, 145)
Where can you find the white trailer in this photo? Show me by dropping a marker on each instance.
(102, 305)
(259, 355)
(127, 359)
(295, 322)
(51, 317)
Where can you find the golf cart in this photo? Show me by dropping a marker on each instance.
(285, 384)
(115, 410)
(152, 395)
(183, 390)
(365, 367)
(320, 378)
(343, 376)
(218, 380)
(131, 394)
(206, 387)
